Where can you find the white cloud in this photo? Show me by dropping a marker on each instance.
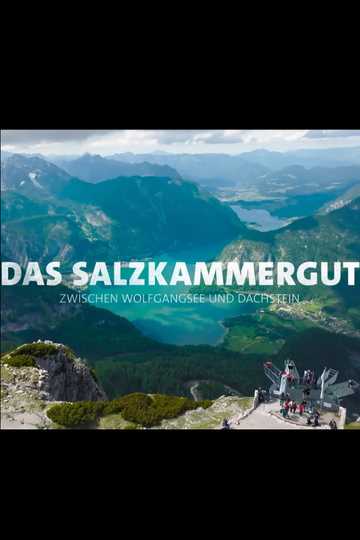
(138, 141)
(37, 136)
(330, 133)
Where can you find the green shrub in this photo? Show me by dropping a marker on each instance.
(159, 408)
(20, 360)
(43, 349)
(137, 408)
(132, 401)
(76, 414)
(353, 425)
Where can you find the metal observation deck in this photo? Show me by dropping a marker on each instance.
(320, 391)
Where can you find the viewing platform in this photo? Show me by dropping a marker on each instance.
(314, 392)
(268, 416)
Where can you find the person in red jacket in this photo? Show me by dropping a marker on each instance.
(302, 408)
(287, 407)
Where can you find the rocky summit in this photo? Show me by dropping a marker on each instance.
(34, 376)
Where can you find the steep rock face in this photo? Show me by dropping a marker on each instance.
(62, 377)
(35, 376)
(68, 379)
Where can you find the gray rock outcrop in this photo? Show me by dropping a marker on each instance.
(67, 379)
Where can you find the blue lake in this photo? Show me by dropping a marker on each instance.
(185, 324)
(262, 220)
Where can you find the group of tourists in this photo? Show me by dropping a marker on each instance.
(290, 406)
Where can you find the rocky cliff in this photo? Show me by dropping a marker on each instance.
(36, 375)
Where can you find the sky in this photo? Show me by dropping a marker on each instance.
(107, 142)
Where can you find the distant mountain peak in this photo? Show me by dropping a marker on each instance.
(95, 168)
(31, 176)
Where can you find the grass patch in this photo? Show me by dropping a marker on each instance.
(262, 333)
(160, 407)
(138, 408)
(25, 355)
(39, 350)
(20, 360)
(115, 421)
(353, 425)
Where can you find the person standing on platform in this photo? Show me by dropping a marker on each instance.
(302, 407)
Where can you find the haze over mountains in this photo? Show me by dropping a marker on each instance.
(273, 160)
(203, 167)
(95, 168)
(220, 171)
(297, 180)
(248, 165)
(328, 157)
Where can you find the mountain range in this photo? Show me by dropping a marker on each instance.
(272, 160)
(203, 168)
(327, 157)
(32, 176)
(49, 215)
(95, 168)
(248, 165)
(211, 170)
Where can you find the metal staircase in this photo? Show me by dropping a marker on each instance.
(329, 376)
(273, 373)
(324, 394)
